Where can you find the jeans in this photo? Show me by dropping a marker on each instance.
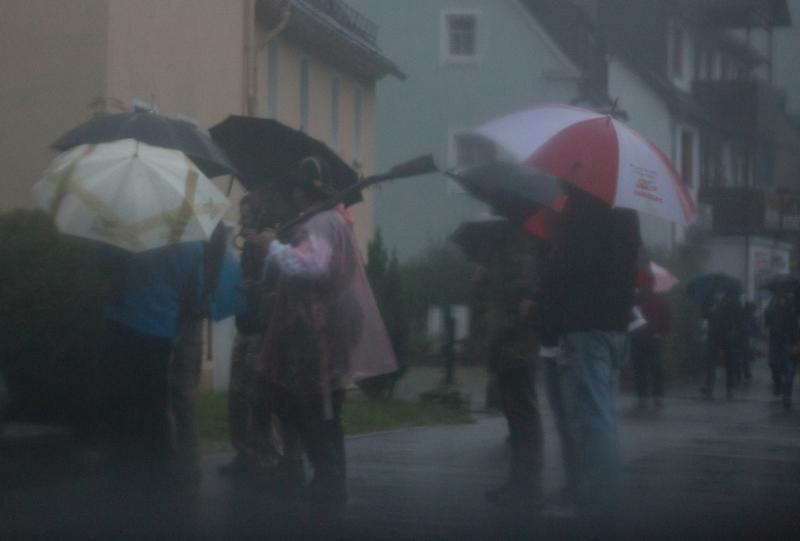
(588, 373)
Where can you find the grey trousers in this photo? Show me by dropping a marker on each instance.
(184, 376)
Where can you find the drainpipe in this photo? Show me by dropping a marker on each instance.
(250, 76)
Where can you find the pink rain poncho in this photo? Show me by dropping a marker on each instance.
(326, 332)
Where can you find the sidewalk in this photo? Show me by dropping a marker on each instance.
(695, 469)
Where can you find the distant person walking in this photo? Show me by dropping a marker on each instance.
(646, 346)
(781, 320)
(724, 315)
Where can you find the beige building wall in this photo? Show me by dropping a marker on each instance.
(185, 56)
(322, 69)
(53, 61)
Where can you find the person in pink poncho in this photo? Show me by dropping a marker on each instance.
(326, 332)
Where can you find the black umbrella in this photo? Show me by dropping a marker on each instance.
(266, 151)
(702, 287)
(511, 189)
(152, 129)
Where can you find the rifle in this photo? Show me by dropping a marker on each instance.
(420, 165)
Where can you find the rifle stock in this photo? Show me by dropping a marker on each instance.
(420, 165)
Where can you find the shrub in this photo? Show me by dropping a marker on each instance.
(50, 321)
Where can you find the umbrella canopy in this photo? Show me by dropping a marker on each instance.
(131, 195)
(479, 239)
(784, 281)
(511, 189)
(701, 288)
(597, 154)
(266, 151)
(228, 299)
(155, 130)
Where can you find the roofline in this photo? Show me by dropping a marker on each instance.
(376, 62)
(549, 41)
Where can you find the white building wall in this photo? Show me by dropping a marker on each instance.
(648, 114)
(750, 259)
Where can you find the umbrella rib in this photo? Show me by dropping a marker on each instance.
(185, 211)
(116, 230)
(65, 182)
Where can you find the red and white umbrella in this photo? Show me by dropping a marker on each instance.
(597, 154)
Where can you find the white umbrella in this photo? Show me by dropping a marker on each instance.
(130, 194)
(595, 153)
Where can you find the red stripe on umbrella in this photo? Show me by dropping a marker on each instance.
(585, 154)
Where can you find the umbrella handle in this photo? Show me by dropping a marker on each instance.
(420, 165)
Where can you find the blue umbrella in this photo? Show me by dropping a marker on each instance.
(702, 287)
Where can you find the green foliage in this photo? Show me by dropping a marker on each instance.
(359, 415)
(385, 277)
(440, 277)
(50, 320)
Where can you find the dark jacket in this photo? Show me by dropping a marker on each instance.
(781, 315)
(725, 320)
(589, 278)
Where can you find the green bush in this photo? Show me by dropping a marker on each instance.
(50, 321)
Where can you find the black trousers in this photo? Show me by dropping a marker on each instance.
(723, 353)
(317, 420)
(520, 407)
(135, 370)
(648, 366)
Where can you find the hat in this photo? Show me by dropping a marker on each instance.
(313, 177)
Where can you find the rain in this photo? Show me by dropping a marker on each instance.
(402, 269)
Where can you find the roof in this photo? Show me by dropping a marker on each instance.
(333, 26)
(740, 13)
(577, 36)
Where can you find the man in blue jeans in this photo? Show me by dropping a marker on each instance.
(588, 293)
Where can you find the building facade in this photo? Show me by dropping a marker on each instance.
(467, 61)
(311, 64)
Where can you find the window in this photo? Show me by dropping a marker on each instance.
(725, 69)
(358, 104)
(460, 35)
(711, 169)
(272, 79)
(687, 157)
(699, 63)
(334, 134)
(304, 94)
(677, 52)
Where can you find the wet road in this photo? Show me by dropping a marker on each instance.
(694, 469)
